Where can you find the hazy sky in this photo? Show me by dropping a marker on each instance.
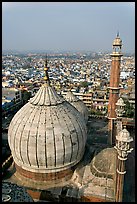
(58, 26)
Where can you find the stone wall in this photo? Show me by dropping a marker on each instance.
(45, 176)
(93, 199)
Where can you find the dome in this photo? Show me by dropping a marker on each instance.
(47, 134)
(78, 104)
(124, 136)
(120, 102)
(104, 163)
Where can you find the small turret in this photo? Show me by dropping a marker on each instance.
(117, 44)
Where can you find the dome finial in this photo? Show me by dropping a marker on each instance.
(46, 77)
(117, 33)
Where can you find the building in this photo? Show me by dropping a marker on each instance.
(114, 85)
(11, 100)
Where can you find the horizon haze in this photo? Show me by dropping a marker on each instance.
(67, 26)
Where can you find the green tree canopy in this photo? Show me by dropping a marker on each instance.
(26, 96)
(84, 84)
(129, 109)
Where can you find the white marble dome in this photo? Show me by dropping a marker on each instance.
(47, 134)
(78, 104)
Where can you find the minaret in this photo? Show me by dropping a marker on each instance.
(114, 85)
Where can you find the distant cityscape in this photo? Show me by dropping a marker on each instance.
(86, 74)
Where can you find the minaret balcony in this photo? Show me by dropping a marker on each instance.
(116, 54)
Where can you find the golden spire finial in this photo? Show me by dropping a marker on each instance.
(46, 77)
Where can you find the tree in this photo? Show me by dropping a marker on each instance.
(129, 109)
(25, 96)
(84, 84)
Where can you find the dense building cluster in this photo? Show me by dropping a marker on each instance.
(27, 68)
(87, 77)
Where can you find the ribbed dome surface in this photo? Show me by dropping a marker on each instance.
(46, 96)
(104, 163)
(78, 104)
(47, 134)
(71, 97)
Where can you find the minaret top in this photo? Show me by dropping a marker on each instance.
(117, 41)
(117, 44)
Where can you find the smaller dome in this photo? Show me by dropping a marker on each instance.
(124, 136)
(78, 104)
(104, 163)
(120, 102)
(71, 97)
